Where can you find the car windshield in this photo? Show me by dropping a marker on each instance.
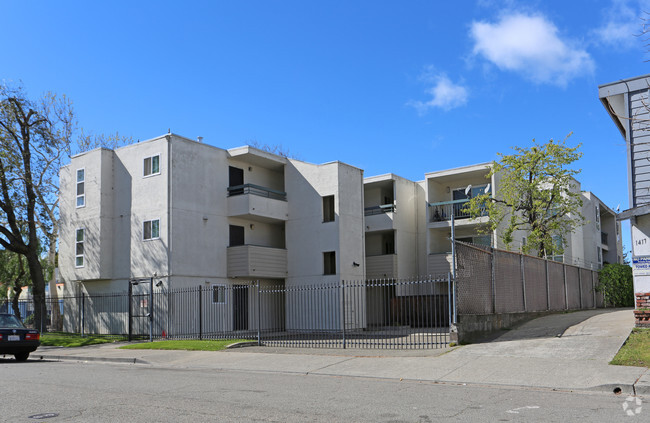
(9, 321)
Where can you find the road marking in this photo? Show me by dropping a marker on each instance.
(528, 407)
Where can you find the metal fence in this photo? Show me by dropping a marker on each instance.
(404, 314)
(495, 281)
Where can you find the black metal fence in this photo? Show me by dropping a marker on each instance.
(412, 313)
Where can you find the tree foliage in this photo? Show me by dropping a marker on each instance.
(537, 193)
(615, 281)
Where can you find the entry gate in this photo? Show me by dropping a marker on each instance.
(141, 308)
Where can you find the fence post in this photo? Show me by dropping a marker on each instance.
(343, 312)
(493, 280)
(129, 302)
(523, 280)
(259, 315)
(83, 316)
(580, 287)
(548, 288)
(566, 291)
(200, 312)
(593, 288)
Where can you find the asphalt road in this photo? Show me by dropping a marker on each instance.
(101, 392)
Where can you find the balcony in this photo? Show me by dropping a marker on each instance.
(253, 261)
(381, 267)
(257, 202)
(384, 208)
(444, 211)
(379, 218)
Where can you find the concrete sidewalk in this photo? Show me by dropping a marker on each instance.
(566, 352)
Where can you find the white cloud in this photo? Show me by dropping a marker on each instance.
(530, 45)
(622, 23)
(444, 93)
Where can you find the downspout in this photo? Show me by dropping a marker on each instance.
(169, 213)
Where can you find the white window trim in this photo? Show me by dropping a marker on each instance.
(76, 187)
(83, 256)
(143, 168)
(225, 297)
(152, 238)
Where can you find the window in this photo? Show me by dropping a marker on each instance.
(152, 165)
(328, 208)
(81, 190)
(236, 235)
(79, 248)
(218, 294)
(329, 263)
(151, 229)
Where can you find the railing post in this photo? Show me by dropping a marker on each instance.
(566, 290)
(523, 280)
(580, 286)
(343, 312)
(151, 310)
(548, 288)
(83, 316)
(129, 307)
(493, 281)
(200, 312)
(259, 315)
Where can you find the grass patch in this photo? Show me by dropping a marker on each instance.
(62, 339)
(636, 350)
(185, 344)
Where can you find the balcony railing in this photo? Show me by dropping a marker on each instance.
(603, 238)
(385, 208)
(257, 190)
(441, 212)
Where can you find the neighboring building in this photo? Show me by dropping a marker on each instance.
(192, 215)
(628, 104)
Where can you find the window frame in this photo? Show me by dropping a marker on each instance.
(81, 256)
(222, 288)
(329, 215)
(144, 223)
(77, 182)
(331, 264)
(144, 166)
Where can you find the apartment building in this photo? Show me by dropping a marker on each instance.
(191, 214)
(196, 215)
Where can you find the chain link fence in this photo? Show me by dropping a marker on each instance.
(490, 281)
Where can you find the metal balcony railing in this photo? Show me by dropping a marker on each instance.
(384, 208)
(257, 190)
(441, 212)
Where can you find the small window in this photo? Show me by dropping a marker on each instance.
(79, 248)
(236, 235)
(81, 189)
(218, 294)
(151, 229)
(329, 263)
(328, 208)
(152, 165)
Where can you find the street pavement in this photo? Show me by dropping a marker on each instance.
(568, 351)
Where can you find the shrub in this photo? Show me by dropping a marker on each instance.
(616, 283)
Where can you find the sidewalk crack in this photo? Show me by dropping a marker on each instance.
(330, 365)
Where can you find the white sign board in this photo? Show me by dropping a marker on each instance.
(640, 241)
(641, 266)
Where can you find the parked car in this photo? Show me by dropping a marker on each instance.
(16, 339)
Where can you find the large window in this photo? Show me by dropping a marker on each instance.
(81, 189)
(152, 165)
(329, 263)
(219, 294)
(328, 208)
(151, 229)
(79, 248)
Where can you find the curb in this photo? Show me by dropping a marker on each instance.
(82, 358)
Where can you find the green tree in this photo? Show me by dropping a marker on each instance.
(34, 137)
(14, 275)
(537, 193)
(615, 281)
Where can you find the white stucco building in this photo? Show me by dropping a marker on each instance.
(191, 214)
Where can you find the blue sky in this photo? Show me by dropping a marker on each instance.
(404, 87)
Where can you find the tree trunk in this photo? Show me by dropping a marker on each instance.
(14, 301)
(38, 290)
(57, 322)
